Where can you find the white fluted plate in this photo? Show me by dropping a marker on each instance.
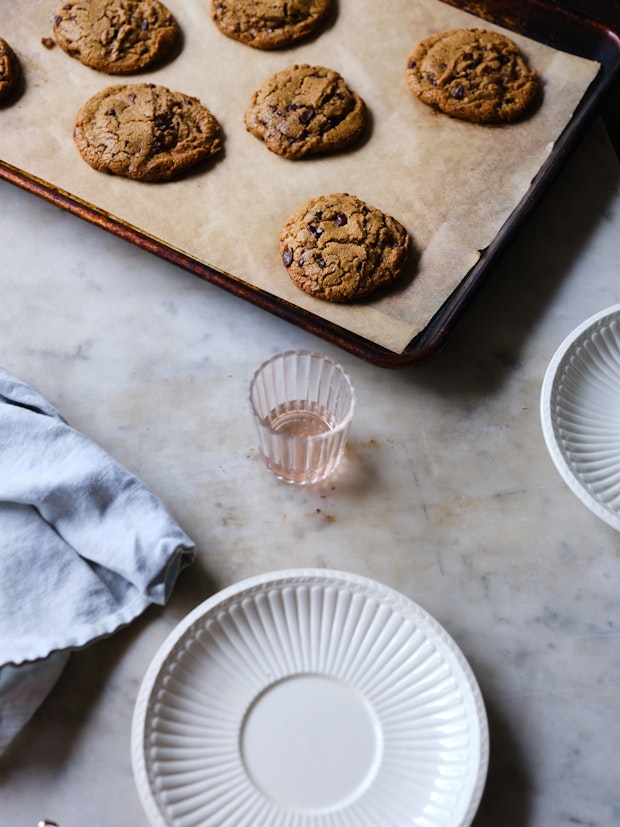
(580, 413)
(309, 698)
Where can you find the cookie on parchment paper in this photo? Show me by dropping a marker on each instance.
(269, 24)
(145, 132)
(338, 248)
(9, 69)
(117, 37)
(305, 110)
(473, 74)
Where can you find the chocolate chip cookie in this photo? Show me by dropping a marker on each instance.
(9, 69)
(117, 37)
(145, 132)
(305, 110)
(473, 74)
(338, 248)
(269, 24)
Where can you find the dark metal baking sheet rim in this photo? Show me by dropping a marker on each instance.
(542, 20)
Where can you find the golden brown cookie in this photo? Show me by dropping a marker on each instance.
(269, 24)
(145, 132)
(9, 69)
(473, 74)
(340, 249)
(115, 36)
(305, 110)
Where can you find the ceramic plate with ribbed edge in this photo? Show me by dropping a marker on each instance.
(580, 413)
(309, 698)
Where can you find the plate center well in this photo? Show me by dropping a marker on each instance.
(311, 742)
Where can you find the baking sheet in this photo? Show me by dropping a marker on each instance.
(452, 184)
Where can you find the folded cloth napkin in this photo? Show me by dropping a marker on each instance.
(85, 547)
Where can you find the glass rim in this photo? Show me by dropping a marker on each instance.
(342, 425)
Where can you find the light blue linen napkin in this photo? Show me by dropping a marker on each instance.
(85, 547)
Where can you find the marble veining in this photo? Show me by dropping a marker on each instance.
(447, 492)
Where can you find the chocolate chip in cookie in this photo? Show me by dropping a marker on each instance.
(10, 71)
(145, 132)
(473, 74)
(338, 248)
(305, 110)
(117, 37)
(269, 24)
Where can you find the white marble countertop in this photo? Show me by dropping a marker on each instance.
(447, 492)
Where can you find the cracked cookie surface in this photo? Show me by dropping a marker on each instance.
(9, 69)
(145, 132)
(305, 110)
(473, 74)
(115, 36)
(269, 24)
(338, 248)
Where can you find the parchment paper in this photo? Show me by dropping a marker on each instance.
(452, 184)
